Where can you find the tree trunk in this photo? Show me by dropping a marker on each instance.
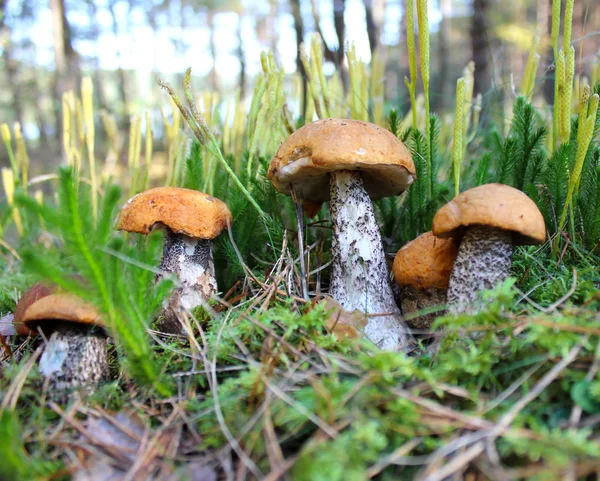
(214, 78)
(95, 30)
(545, 16)
(402, 64)
(66, 60)
(444, 53)
(339, 6)
(65, 57)
(481, 45)
(11, 66)
(121, 76)
(241, 57)
(299, 28)
(374, 13)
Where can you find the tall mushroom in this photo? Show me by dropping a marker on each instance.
(488, 220)
(75, 356)
(348, 163)
(422, 270)
(192, 219)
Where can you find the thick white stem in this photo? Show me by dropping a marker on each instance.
(192, 262)
(359, 277)
(74, 358)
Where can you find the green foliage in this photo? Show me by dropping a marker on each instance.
(117, 278)
(268, 371)
(17, 464)
(346, 458)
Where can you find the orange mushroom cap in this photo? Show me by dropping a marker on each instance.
(492, 205)
(65, 307)
(425, 262)
(31, 295)
(306, 158)
(184, 211)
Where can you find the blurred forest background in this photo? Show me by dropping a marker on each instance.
(126, 45)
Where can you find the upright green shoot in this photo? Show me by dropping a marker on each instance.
(585, 131)
(411, 83)
(423, 18)
(458, 145)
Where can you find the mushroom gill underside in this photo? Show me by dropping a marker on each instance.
(359, 276)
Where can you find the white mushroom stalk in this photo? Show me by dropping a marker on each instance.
(359, 278)
(74, 359)
(191, 219)
(191, 261)
(484, 259)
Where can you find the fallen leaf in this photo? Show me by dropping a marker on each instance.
(7, 328)
(342, 323)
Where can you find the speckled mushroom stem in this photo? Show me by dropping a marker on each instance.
(74, 360)
(414, 300)
(484, 259)
(359, 277)
(192, 262)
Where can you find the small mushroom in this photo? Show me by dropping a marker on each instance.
(488, 220)
(192, 219)
(348, 163)
(75, 356)
(422, 270)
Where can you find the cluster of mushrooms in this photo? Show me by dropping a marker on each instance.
(347, 163)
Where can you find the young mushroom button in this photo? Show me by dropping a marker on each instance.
(192, 219)
(348, 163)
(75, 356)
(488, 220)
(422, 270)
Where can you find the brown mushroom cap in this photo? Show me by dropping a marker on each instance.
(330, 145)
(492, 205)
(425, 262)
(65, 307)
(184, 211)
(31, 295)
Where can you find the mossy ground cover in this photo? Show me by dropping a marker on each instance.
(260, 386)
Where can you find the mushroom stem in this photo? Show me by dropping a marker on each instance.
(414, 300)
(74, 358)
(192, 262)
(484, 259)
(359, 277)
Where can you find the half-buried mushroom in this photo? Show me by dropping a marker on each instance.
(348, 163)
(422, 270)
(488, 220)
(75, 356)
(192, 220)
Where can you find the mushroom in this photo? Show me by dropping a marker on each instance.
(75, 356)
(348, 163)
(422, 270)
(192, 219)
(488, 220)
